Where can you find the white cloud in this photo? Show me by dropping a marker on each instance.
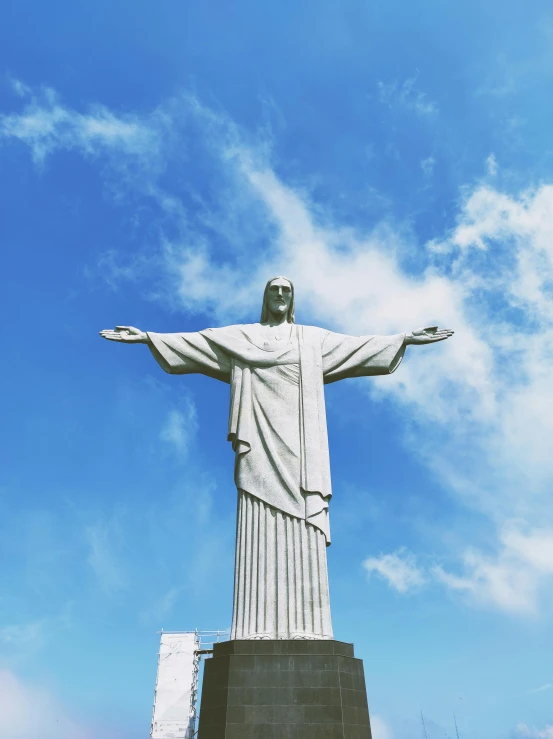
(103, 541)
(503, 252)
(162, 606)
(19, 641)
(406, 95)
(20, 88)
(510, 579)
(491, 165)
(180, 427)
(499, 582)
(399, 569)
(534, 548)
(45, 125)
(22, 635)
(481, 402)
(532, 733)
(166, 602)
(541, 689)
(380, 729)
(427, 166)
(28, 711)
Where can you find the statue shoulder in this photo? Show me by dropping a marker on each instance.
(306, 327)
(233, 328)
(312, 333)
(237, 331)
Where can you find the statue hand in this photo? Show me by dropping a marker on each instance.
(128, 334)
(428, 335)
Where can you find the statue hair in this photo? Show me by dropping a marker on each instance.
(265, 307)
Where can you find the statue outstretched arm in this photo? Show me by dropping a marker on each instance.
(428, 335)
(360, 356)
(178, 353)
(126, 334)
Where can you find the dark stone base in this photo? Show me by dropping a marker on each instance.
(284, 690)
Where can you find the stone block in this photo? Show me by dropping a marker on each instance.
(284, 690)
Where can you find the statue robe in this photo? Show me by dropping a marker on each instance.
(277, 426)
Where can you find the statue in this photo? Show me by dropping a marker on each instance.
(277, 370)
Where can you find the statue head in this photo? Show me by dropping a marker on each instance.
(278, 298)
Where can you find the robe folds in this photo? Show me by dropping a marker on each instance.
(277, 427)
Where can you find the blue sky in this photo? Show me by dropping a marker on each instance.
(159, 162)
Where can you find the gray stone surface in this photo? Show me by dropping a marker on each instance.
(277, 426)
(284, 690)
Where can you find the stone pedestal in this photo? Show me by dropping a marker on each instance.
(284, 690)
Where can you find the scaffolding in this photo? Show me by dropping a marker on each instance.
(174, 713)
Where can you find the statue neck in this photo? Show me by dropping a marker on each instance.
(277, 320)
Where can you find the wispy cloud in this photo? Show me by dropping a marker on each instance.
(511, 578)
(492, 165)
(380, 729)
(399, 570)
(179, 427)
(161, 606)
(502, 253)
(406, 95)
(28, 711)
(533, 733)
(19, 641)
(46, 125)
(541, 689)
(22, 634)
(482, 401)
(104, 544)
(506, 580)
(427, 166)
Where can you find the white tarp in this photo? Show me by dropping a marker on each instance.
(176, 676)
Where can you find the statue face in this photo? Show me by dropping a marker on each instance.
(279, 297)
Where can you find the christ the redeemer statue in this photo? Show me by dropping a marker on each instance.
(277, 370)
